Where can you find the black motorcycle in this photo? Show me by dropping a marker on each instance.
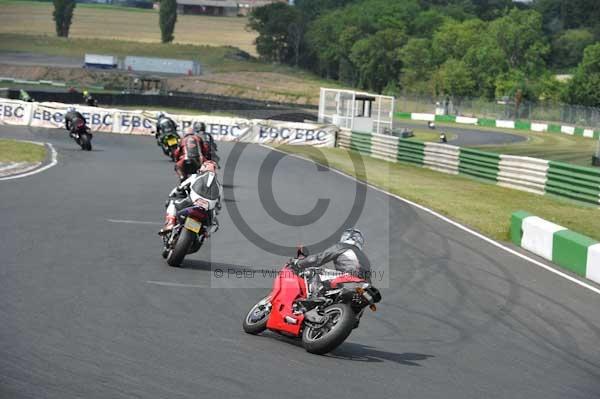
(83, 136)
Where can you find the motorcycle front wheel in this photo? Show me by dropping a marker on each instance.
(181, 248)
(332, 333)
(256, 319)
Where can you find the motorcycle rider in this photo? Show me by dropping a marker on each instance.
(347, 257)
(89, 99)
(190, 155)
(164, 126)
(210, 147)
(179, 199)
(74, 121)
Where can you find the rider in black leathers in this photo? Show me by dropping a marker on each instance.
(164, 125)
(73, 121)
(347, 256)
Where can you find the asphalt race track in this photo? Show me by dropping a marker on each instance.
(89, 309)
(469, 136)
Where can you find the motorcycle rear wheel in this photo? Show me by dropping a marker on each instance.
(333, 333)
(85, 142)
(172, 153)
(182, 246)
(252, 326)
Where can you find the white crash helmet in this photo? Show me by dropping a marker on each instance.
(159, 115)
(71, 109)
(353, 237)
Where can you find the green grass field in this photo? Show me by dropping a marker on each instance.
(19, 151)
(112, 22)
(458, 197)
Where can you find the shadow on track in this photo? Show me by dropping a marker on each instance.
(364, 353)
(360, 353)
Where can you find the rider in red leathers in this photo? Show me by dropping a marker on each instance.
(190, 155)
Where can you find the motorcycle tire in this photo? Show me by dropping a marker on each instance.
(165, 150)
(335, 336)
(85, 142)
(182, 246)
(256, 327)
(172, 153)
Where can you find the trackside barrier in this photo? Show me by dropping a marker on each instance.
(506, 124)
(572, 251)
(51, 115)
(533, 175)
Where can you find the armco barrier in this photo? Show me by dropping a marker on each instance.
(506, 124)
(573, 181)
(534, 175)
(441, 157)
(523, 173)
(483, 165)
(568, 249)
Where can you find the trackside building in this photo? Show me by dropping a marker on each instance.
(226, 8)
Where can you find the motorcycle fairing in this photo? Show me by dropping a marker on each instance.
(287, 287)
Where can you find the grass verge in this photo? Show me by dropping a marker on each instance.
(113, 22)
(484, 207)
(20, 151)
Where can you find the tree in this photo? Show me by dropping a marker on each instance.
(376, 58)
(454, 39)
(454, 78)
(167, 20)
(417, 65)
(568, 46)
(584, 88)
(520, 37)
(63, 16)
(279, 30)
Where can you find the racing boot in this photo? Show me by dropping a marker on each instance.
(170, 222)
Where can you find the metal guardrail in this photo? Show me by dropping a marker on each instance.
(533, 175)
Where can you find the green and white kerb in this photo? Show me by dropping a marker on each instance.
(573, 251)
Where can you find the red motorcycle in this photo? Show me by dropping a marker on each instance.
(339, 307)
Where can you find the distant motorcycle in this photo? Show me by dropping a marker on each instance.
(168, 144)
(431, 125)
(82, 136)
(342, 305)
(443, 138)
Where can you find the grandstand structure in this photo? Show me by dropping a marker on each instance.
(227, 8)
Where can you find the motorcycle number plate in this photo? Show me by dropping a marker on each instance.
(192, 225)
(171, 141)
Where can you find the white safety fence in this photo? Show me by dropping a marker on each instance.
(51, 115)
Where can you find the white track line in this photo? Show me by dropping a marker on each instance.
(169, 284)
(130, 221)
(452, 222)
(43, 168)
